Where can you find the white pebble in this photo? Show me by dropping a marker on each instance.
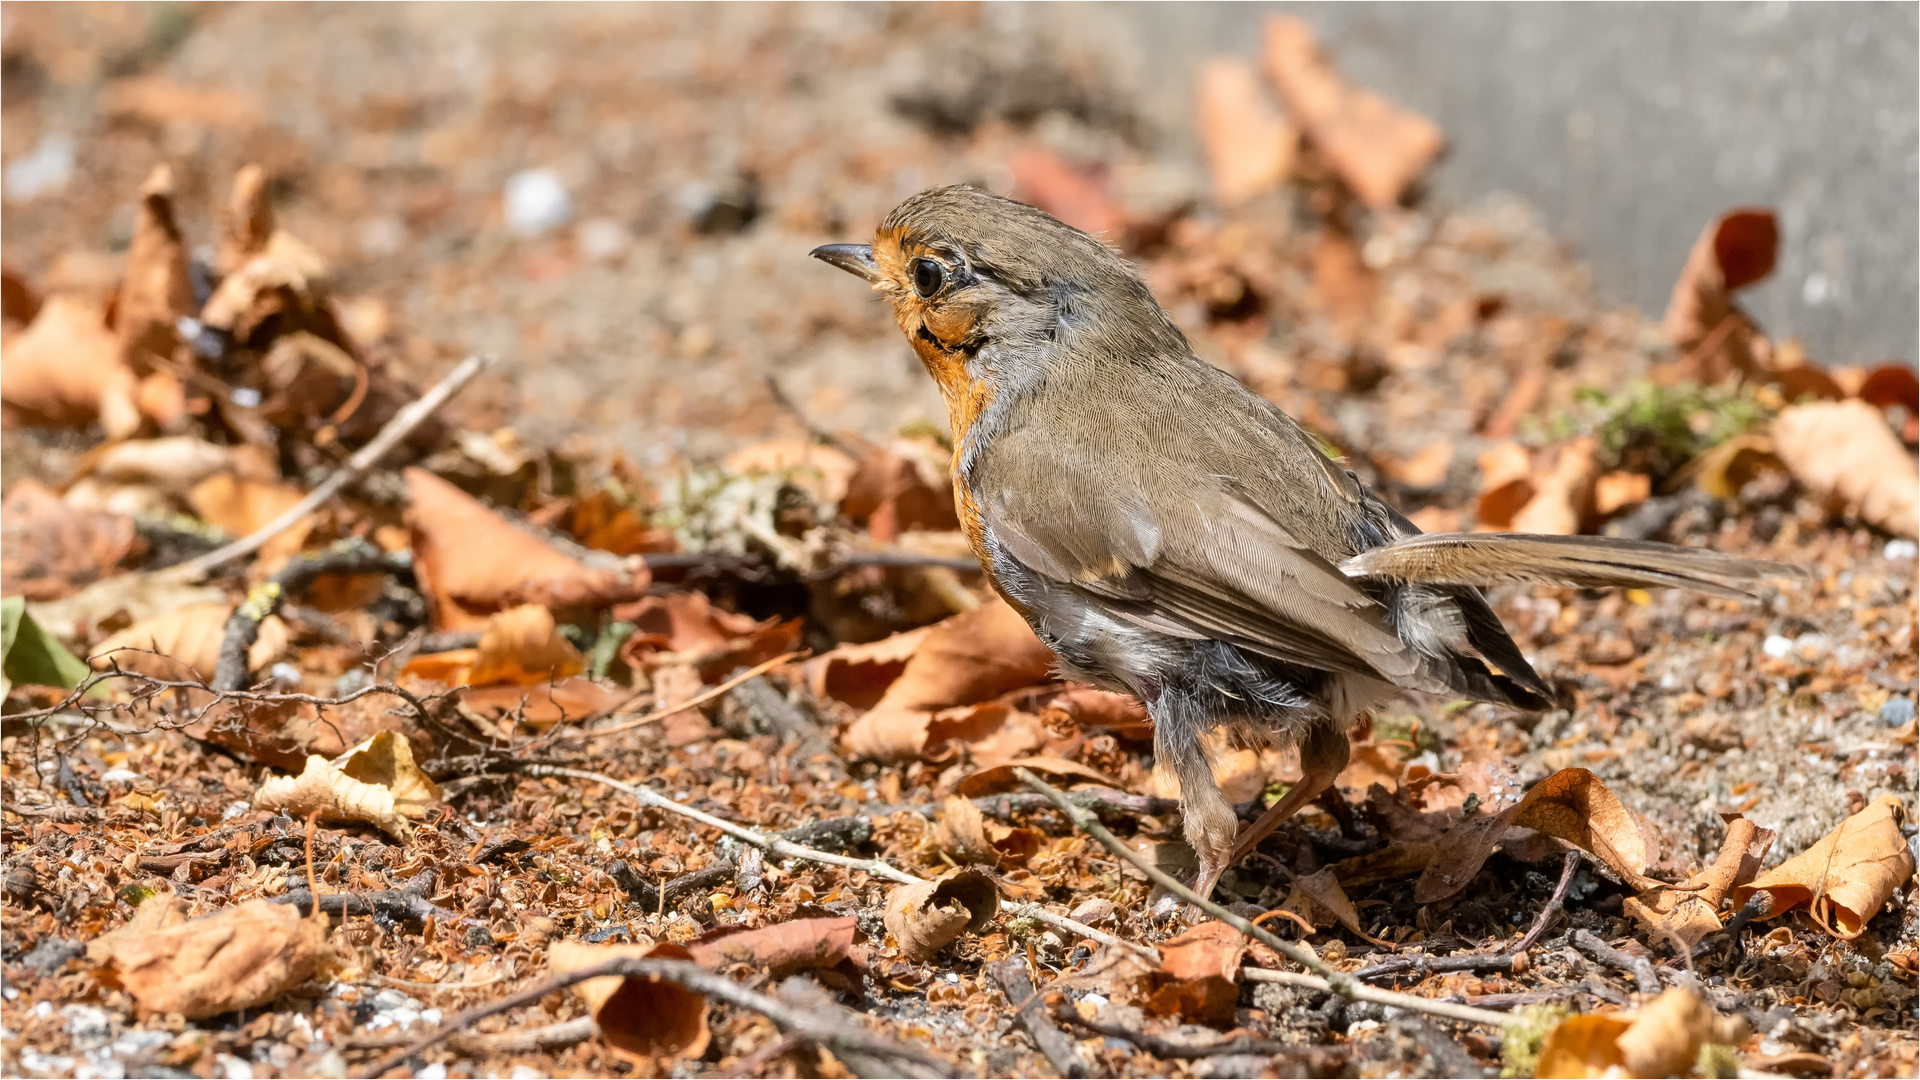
(1776, 646)
(42, 172)
(1901, 549)
(602, 240)
(537, 201)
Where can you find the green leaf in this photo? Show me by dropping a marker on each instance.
(30, 654)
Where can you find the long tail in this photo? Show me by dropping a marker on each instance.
(1581, 561)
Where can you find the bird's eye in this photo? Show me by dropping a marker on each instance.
(928, 276)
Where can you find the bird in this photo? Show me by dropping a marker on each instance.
(1172, 535)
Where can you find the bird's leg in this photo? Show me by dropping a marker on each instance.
(1209, 819)
(1323, 755)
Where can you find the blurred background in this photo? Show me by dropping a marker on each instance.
(620, 198)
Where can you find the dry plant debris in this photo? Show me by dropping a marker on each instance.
(714, 754)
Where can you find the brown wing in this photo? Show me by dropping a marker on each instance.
(1186, 517)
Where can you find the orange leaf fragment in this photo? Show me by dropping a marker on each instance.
(64, 370)
(1848, 876)
(640, 1018)
(473, 562)
(238, 958)
(1844, 451)
(1573, 805)
(1250, 147)
(1377, 147)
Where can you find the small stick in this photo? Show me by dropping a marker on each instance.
(1086, 822)
(783, 848)
(1167, 1049)
(1060, 1051)
(1040, 914)
(1644, 979)
(1431, 1006)
(396, 429)
(691, 703)
(1553, 905)
(695, 978)
(1327, 978)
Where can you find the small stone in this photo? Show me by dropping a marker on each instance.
(1095, 912)
(1897, 712)
(1901, 549)
(51, 955)
(1777, 646)
(602, 240)
(537, 200)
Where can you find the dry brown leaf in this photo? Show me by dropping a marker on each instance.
(820, 470)
(1894, 386)
(1198, 974)
(64, 370)
(1619, 490)
(546, 704)
(858, 675)
(900, 488)
(640, 1018)
(1844, 451)
(157, 289)
(473, 562)
(248, 223)
(375, 782)
(1396, 860)
(1506, 484)
(602, 520)
(1689, 914)
(779, 949)
(1102, 710)
(961, 829)
(1714, 336)
(1848, 876)
(1562, 490)
(174, 464)
(924, 917)
(1662, 1039)
(1425, 470)
(1078, 196)
(1573, 805)
(49, 550)
(238, 506)
(1322, 893)
(1377, 147)
(687, 628)
(1731, 466)
(1249, 145)
(285, 282)
(187, 643)
(1059, 770)
(161, 911)
(520, 646)
(239, 958)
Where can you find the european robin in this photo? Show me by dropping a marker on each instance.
(1172, 535)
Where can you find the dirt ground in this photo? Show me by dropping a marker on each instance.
(703, 151)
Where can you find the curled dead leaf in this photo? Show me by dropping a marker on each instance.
(1690, 913)
(858, 675)
(1250, 147)
(1662, 1039)
(1573, 805)
(1714, 336)
(1506, 484)
(1844, 451)
(64, 370)
(239, 958)
(778, 949)
(1731, 466)
(1061, 771)
(185, 643)
(1377, 147)
(923, 918)
(1198, 974)
(157, 289)
(962, 830)
(49, 549)
(900, 488)
(1562, 490)
(473, 562)
(375, 782)
(1319, 898)
(639, 1018)
(521, 646)
(1848, 876)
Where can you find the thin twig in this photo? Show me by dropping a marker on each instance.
(1088, 823)
(786, 849)
(1447, 1009)
(396, 429)
(351, 556)
(1641, 968)
(569, 734)
(1061, 1051)
(1166, 1048)
(1326, 978)
(816, 1028)
(1553, 905)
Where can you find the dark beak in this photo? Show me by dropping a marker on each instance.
(856, 259)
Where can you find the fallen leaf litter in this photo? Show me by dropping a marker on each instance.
(1707, 845)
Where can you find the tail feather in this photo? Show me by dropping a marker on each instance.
(1588, 562)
